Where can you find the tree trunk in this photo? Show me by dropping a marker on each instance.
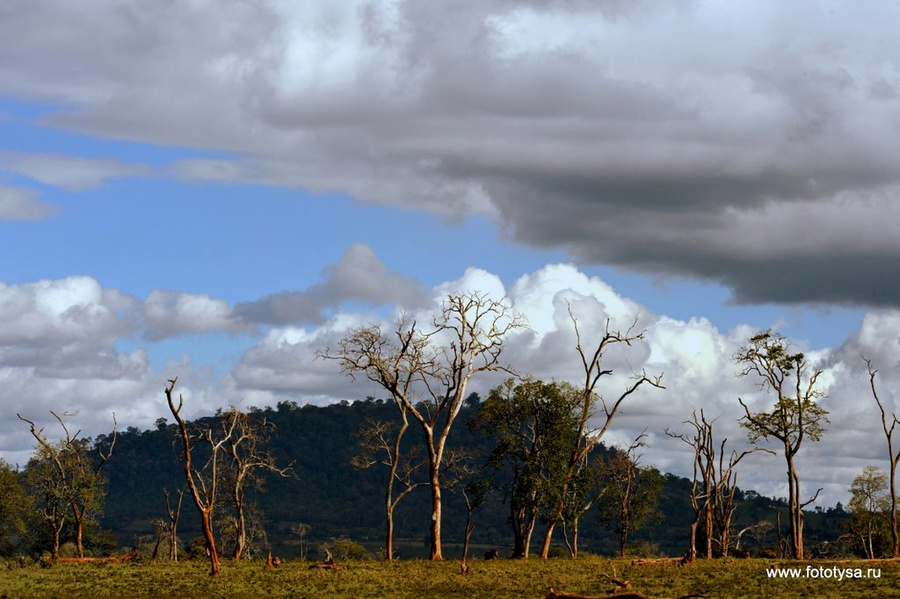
(240, 536)
(548, 536)
(206, 517)
(54, 553)
(389, 532)
(435, 552)
(895, 535)
(79, 535)
(692, 552)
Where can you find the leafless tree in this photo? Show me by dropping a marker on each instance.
(201, 482)
(427, 371)
(302, 532)
(79, 472)
(248, 457)
(893, 458)
(380, 443)
(795, 416)
(714, 483)
(173, 513)
(588, 437)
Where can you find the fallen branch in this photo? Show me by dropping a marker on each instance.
(327, 567)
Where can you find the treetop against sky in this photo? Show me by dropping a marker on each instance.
(220, 207)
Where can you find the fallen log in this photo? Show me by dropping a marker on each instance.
(562, 595)
(659, 560)
(87, 560)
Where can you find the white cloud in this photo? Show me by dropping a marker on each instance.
(171, 314)
(58, 349)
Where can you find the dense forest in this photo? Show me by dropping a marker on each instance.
(337, 501)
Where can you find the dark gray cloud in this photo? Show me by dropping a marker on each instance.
(671, 138)
(359, 276)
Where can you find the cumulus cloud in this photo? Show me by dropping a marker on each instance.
(172, 313)
(20, 203)
(359, 276)
(694, 357)
(59, 350)
(747, 143)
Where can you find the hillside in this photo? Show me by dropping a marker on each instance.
(337, 500)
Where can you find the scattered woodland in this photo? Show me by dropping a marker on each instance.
(430, 470)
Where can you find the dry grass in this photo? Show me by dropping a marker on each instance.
(493, 579)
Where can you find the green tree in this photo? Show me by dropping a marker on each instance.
(532, 426)
(593, 408)
(795, 416)
(14, 504)
(78, 473)
(46, 488)
(630, 494)
(869, 505)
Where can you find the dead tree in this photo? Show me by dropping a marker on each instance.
(587, 438)
(201, 482)
(79, 475)
(249, 456)
(427, 371)
(714, 484)
(893, 458)
(380, 443)
(173, 513)
(302, 532)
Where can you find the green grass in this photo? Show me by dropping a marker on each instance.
(413, 578)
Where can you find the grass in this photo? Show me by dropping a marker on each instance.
(407, 579)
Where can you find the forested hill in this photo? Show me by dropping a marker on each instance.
(335, 499)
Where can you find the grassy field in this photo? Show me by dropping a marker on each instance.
(493, 579)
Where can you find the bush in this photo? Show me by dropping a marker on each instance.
(345, 549)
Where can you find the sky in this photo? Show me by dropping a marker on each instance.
(219, 191)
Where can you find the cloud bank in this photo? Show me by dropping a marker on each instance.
(59, 349)
(748, 143)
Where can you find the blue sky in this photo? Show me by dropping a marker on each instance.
(221, 207)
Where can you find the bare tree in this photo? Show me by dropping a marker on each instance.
(427, 372)
(380, 443)
(79, 475)
(701, 482)
(301, 529)
(588, 438)
(795, 416)
(714, 483)
(249, 456)
(201, 482)
(893, 458)
(174, 514)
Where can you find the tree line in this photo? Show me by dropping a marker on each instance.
(544, 460)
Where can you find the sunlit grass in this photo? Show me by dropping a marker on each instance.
(413, 578)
